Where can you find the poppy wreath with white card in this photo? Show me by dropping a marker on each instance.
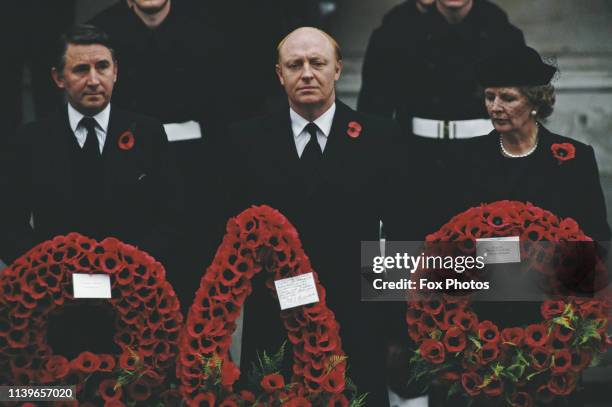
(147, 321)
(261, 239)
(515, 365)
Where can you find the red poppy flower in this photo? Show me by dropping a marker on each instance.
(454, 340)
(247, 396)
(126, 140)
(334, 382)
(354, 129)
(129, 360)
(540, 358)
(489, 352)
(433, 306)
(536, 335)
(466, 320)
(562, 384)
(338, 400)
(471, 383)
(563, 152)
(58, 366)
(581, 359)
(432, 351)
(86, 362)
(562, 333)
(229, 373)
(513, 336)
(561, 361)
(272, 382)
(494, 388)
(488, 332)
(109, 390)
(139, 390)
(552, 308)
(231, 402)
(204, 400)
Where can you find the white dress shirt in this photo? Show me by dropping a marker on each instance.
(80, 132)
(302, 137)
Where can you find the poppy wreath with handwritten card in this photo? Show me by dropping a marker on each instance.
(261, 239)
(513, 366)
(147, 321)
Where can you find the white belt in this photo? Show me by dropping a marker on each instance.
(183, 131)
(453, 129)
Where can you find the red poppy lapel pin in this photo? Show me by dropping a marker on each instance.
(354, 129)
(126, 140)
(563, 152)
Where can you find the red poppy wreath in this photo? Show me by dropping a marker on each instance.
(261, 238)
(147, 321)
(509, 366)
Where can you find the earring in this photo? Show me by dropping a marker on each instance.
(534, 112)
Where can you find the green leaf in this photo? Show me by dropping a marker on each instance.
(358, 401)
(497, 369)
(595, 361)
(532, 375)
(475, 341)
(563, 321)
(514, 372)
(454, 389)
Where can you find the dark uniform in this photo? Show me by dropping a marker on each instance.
(417, 65)
(175, 73)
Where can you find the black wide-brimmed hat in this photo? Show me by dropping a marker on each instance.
(517, 66)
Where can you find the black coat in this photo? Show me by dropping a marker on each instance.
(332, 210)
(173, 72)
(178, 72)
(419, 65)
(139, 189)
(571, 189)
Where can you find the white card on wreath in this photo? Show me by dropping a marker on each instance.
(497, 250)
(91, 285)
(295, 291)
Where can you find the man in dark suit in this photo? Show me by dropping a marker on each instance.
(325, 167)
(91, 168)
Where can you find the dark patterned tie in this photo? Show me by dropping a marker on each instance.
(312, 152)
(91, 148)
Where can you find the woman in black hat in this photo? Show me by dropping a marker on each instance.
(521, 160)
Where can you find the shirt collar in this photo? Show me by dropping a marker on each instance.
(102, 118)
(323, 122)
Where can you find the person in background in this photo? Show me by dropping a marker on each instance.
(24, 46)
(175, 68)
(419, 69)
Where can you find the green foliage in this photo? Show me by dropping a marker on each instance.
(359, 401)
(454, 389)
(265, 365)
(128, 376)
(475, 341)
(334, 361)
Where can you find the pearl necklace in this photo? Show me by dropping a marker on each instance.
(522, 155)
